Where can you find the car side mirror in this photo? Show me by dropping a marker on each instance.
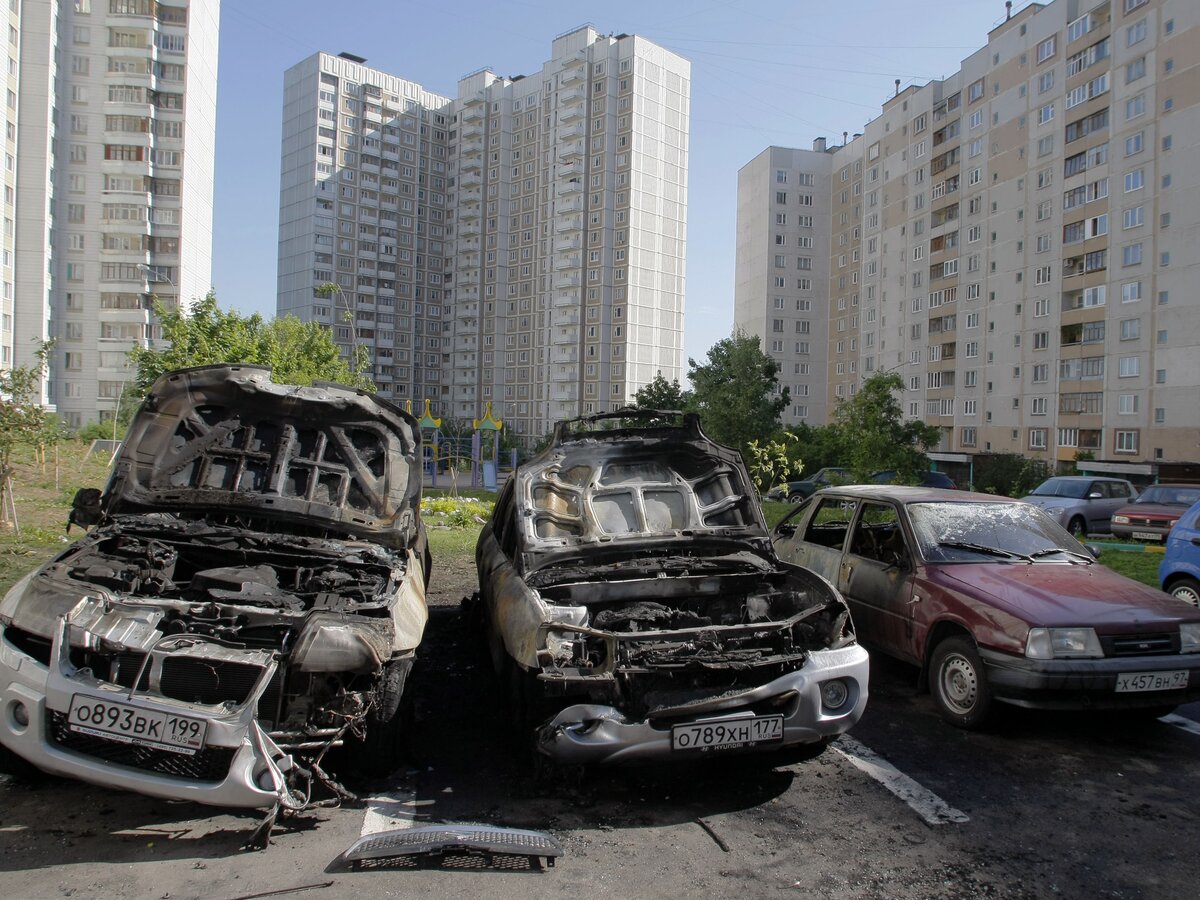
(85, 509)
(1093, 549)
(1095, 495)
(787, 529)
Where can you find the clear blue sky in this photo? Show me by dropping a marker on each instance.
(763, 72)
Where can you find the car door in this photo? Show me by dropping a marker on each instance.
(876, 578)
(1116, 495)
(815, 535)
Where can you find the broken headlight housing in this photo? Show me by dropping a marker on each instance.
(329, 642)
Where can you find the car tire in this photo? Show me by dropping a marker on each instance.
(388, 725)
(958, 683)
(1185, 589)
(1078, 528)
(797, 497)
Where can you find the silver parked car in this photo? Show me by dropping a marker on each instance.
(1082, 504)
(636, 610)
(252, 594)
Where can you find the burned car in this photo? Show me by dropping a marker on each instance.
(636, 610)
(251, 595)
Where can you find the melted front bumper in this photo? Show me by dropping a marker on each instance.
(601, 734)
(239, 765)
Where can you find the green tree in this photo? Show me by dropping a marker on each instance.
(734, 392)
(877, 437)
(818, 445)
(23, 420)
(297, 352)
(662, 394)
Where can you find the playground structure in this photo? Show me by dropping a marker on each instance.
(445, 456)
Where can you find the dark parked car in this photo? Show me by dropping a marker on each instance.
(995, 602)
(928, 479)
(795, 491)
(636, 610)
(1080, 503)
(252, 594)
(1157, 508)
(1179, 571)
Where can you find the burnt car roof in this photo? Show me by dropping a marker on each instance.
(644, 476)
(225, 438)
(900, 493)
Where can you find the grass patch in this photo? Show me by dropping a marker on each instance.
(1141, 567)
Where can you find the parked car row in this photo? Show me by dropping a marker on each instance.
(252, 595)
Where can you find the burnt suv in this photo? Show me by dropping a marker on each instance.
(636, 610)
(252, 595)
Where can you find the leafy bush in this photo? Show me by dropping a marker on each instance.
(455, 512)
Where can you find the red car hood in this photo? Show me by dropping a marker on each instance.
(1151, 511)
(1064, 595)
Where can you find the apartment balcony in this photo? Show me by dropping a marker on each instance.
(562, 395)
(568, 188)
(570, 113)
(562, 316)
(574, 69)
(471, 132)
(471, 150)
(469, 246)
(469, 229)
(571, 133)
(570, 149)
(470, 179)
(473, 111)
(568, 224)
(139, 227)
(567, 280)
(572, 205)
(565, 300)
(570, 170)
(564, 262)
(572, 97)
(471, 196)
(562, 355)
(469, 213)
(566, 244)
(470, 165)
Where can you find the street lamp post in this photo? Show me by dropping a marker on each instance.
(333, 289)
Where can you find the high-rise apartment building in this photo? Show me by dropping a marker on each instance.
(114, 158)
(520, 244)
(1017, 242)
(781, 292)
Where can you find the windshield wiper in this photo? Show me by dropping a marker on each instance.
(1048, 550)
(980, 548)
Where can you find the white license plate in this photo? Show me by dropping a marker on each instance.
(1136, 682)
(1147, 536)
(134, 725)
(727, 734)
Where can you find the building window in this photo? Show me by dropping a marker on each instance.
(1046, 49)
(1037, 438)
(1126, 441)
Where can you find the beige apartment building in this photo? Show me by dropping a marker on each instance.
(522, 244)
(1018, 242)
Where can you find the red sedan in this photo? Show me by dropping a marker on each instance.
(1156, 510)
(995, 602)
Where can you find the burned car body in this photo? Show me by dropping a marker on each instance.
(637, 611)
(252, 594)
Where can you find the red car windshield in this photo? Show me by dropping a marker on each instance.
(977, 532)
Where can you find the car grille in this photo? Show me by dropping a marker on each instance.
(1151, 521)
(1140, 644)
(211, 764)
(206, 681)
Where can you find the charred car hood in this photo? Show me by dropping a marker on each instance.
(227, 439)
(604, 494)
(1063, 595)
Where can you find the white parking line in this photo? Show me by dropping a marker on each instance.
(1188, 725)
(390, 812)
(928, 805)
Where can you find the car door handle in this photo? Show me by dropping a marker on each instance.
(916, 598)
